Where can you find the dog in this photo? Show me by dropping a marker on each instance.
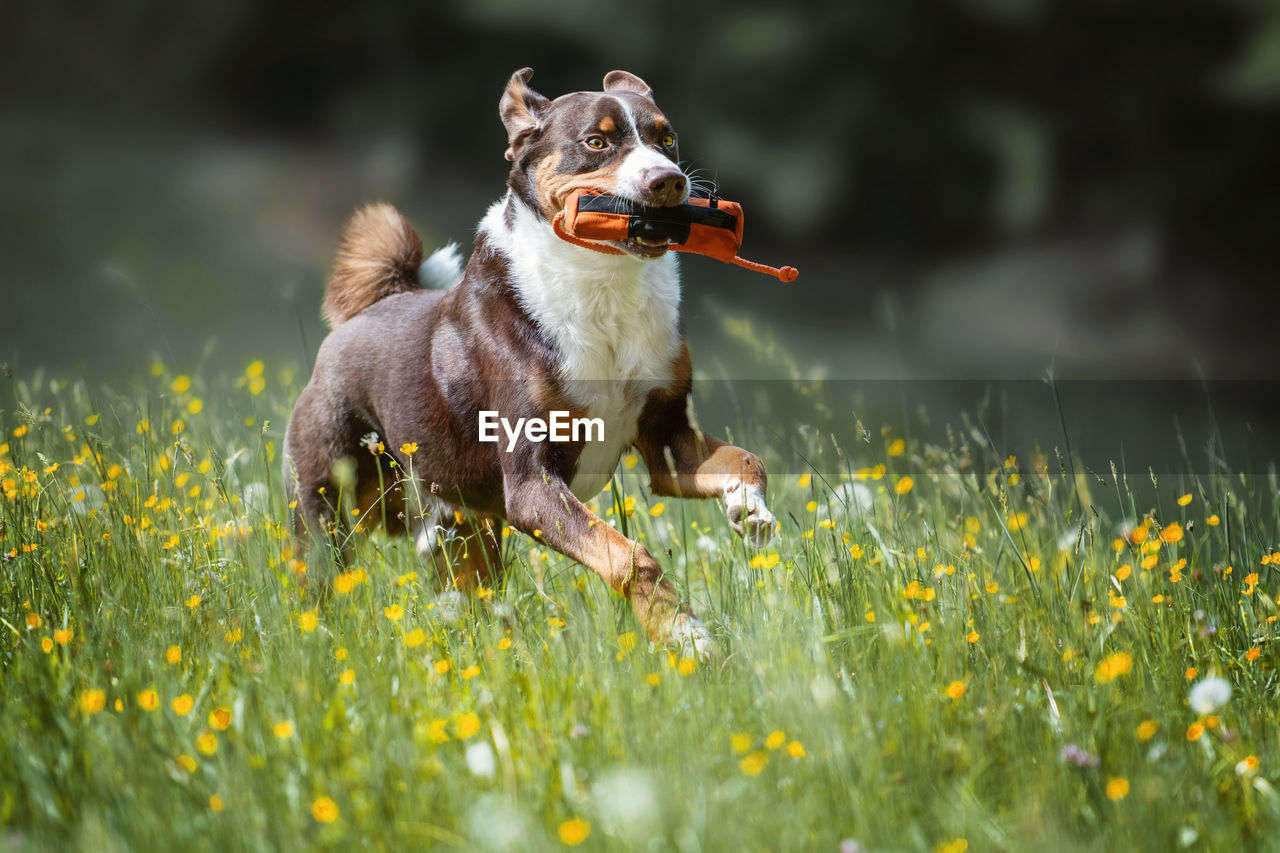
(533, 326)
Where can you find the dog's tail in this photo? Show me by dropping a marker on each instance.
(379, 255)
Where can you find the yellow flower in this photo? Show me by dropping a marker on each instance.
(1191, 673)
(1213, 521)
(470, 672)
(409, 448)
(186, 762)
(955, 689)
(33, 620)
(46, 644)
(1112, 667)
(855, 551)
(1172, 533)
(1194, 731)
(181, 384)
(993, 587)
(504, 643)
(284, 730)
(308, 620)
(775, 739)
(740, 742)
(904, 485)
(630, 460)
(215, 803)
(971, 637)
(1252, 654)
(324, 810)
(348, 676)
(1146, 730)
(195, 406)
(795, 749)
(220, 718)
(183, 705)
(870, 616)
(687, 666)
(752, 764)
(804, 481)
(1122, 573)
(467, 725)
(657, 509)
(193, 600)
(1117, 788)
(955, 845)
(92, 701)
(1185, 499)
(441, 666)
(233, 636)
(207, 743)
(897, 447)
(653, 679)
(415, 638)
(574, 831)
(395, 612)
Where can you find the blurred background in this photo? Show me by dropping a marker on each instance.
(972, 189)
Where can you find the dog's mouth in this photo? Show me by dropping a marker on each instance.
(644, 248)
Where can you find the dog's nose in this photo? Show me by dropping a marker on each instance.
(665, 187)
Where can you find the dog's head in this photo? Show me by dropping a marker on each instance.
(616, 142)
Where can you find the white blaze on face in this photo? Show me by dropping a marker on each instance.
(631, 172)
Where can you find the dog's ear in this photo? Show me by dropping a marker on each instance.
(627, 82)
(521, 110)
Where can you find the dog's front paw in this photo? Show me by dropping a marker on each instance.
(690, 638)
(748, 515)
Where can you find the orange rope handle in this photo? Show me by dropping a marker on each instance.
(578, 241)
(783, 274)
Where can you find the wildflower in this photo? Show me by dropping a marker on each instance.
(795, 749)
(1122, 573)
(467, 725)
(653, 679)
(46, 644)
(409, 448)
(504, 643)
(284, 730)
(92, 701)
(1185, 499)
(657, 509)
(207, 743)
(220, 718)
(183, 705)
(870, 616)
(33, 621)
(181, 384)
(193, 601)
(1146, 730)
(1209, 695)
(1252, 654)
(395, 612)
(1247, 765)
(993, 587)
(1213, 521)
(897, 447)
(752, 764)
(1073, 754)
(904, 485)
(470, 672)
(1113, 666)
(740, 742)
(308, 620)
(1171, 534)
(324, 810)
(1194, 731)
(912, 590)
(415, 638)
(348, 676)
(775, 739)
(855, 551)
(574, 831)
(62, 636)
(955, 689)
(1117, 788)
(1190, 673)
(186, 762)
(955, 845)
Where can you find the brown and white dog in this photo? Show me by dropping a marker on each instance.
(533, 325)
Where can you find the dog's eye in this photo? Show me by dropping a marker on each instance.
(668, 140)
(596, 142)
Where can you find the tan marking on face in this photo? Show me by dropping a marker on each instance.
(606, 124)
(660, 123)
(554, 187)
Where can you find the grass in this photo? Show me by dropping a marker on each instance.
(945, 648)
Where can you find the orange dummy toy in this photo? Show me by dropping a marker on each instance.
(703, 226)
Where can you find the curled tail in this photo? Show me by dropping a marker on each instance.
(379, 255)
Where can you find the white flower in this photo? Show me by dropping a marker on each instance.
(706, 543)
(1209, 695)
(481, 760)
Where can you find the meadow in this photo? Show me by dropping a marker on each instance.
(949, 646)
